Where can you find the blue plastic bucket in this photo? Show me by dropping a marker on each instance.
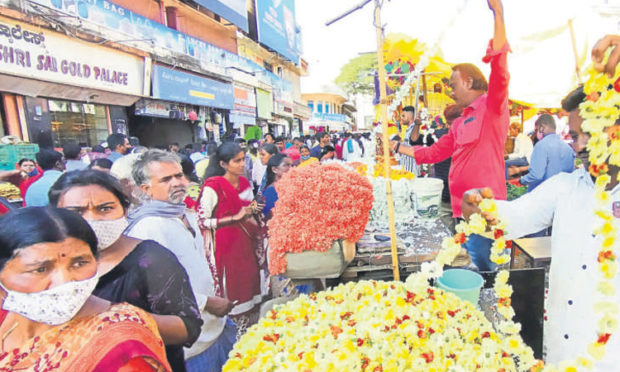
(465, 284)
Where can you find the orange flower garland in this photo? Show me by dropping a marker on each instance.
(316, 205)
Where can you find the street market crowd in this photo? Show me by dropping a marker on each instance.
(128, 258)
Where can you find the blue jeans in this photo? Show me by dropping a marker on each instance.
(518, 162)
(479, 249)
(214, 358)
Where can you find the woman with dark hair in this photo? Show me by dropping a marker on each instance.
(328, 153)
(101, 164)
(142, 273)
(230, 234)
(306, 159)
(50, 319)
(266, 151)
(276, 167)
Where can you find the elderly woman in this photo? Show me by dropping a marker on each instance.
(142, 273)
(50, 320)
(230, 233)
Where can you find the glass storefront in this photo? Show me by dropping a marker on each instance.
(84, 123)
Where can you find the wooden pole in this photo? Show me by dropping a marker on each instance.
(386, 139)
(572, 37)
(424, 90)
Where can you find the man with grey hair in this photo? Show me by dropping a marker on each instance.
(163, 218)
(551, 155)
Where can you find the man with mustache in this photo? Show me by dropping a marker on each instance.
(567, 202)
(164, 218)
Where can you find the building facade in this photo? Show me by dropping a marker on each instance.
(165, 72)
(330, 112)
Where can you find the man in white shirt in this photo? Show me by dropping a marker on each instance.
(351, 150)
(567, 203)
(164, 219)
(522, 153)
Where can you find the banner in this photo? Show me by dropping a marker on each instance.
(277, 27)
(31, 52)
(178, 86)
(264, 104)
(233, 10)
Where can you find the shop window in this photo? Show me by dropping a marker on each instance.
(83, 123)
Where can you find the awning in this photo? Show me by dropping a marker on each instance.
(38, 88)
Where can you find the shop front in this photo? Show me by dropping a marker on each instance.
(184, 108)
(57, 89)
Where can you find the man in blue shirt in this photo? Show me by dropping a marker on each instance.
(119, 144)
(53, 165)
(551, 155)
(323, 138)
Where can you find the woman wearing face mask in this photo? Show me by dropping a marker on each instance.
(49, 319)
(230, 234)
(142, 273)
(306, 159)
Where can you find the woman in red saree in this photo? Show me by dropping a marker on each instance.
(49, 320)
(231, 234)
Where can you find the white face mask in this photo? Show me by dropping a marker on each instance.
(108, 231)
(52, 306)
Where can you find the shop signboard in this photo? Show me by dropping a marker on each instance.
(109, 15)
(276, 26)
(138, 28)
(245, 101)
(178, 86)
(28, 51)
(232, 10)
(329, 117)
(264, 103)
(244, 112)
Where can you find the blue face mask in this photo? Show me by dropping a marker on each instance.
(305, 157)
(33, 173)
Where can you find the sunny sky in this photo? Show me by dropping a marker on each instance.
(541, 65)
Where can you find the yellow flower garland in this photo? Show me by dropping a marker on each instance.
(350, 329)
(599, 111)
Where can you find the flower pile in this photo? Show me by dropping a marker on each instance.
(316, 205)
(377, 326)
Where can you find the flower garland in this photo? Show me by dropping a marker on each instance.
(599, 111)
(316, 205)
(378, 326)
(426, 128)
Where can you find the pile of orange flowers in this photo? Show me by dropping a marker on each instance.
(316, 205)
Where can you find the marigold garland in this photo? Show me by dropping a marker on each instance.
(599, 111)
(377, 326)
(316, 205)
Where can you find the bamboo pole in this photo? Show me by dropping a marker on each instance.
(424, 90)
(386, 139)
(572, 38)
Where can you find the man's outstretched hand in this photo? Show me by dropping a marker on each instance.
(471, 201)
(495, 6)
(598, 52)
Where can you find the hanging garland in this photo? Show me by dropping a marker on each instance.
(599, 111)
